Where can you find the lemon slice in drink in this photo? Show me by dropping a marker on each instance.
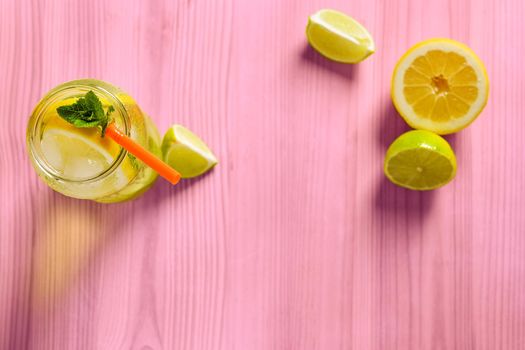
(80, 154)
(186, 152)
(440, 85)
(420, 160)
(76, 156)
(339, 37)
(73, 155)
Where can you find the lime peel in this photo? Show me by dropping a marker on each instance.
(339, 37)
(420, 160)
(186, 152)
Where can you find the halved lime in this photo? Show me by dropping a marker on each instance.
(339, 37)
(186, 152)
(420, 160)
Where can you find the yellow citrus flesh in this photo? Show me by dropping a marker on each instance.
(440, 85)
(75, 152)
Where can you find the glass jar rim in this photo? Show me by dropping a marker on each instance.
(67, 90)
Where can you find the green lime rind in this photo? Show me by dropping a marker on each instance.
(420, 160)
(186, 152)
(339, 37)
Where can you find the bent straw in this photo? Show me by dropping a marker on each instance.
(143, 154)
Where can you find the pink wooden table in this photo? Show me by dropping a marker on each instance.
(295, 241)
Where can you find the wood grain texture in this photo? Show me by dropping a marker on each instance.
(296, 240)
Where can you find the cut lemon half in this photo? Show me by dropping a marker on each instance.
(440, 85)
(339, 37)
(420, 160)
(186, 152)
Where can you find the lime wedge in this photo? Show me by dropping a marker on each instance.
(339, 37)
(186, 152)
(420, 160)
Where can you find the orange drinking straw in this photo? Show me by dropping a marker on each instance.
(143, 154)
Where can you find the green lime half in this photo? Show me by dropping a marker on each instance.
(186, 152)
(420, 160)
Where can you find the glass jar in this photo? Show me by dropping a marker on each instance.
(123, 177)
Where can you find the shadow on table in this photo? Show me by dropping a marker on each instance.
(70, 234)
(454, 141)
(344, 70)
(391, 125)
(391, 200)
(394, 201)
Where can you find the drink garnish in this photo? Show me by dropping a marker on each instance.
(87, 112)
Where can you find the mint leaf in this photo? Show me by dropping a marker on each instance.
(134, 161)
(95, 105)
(86, 112)
(111, 109)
